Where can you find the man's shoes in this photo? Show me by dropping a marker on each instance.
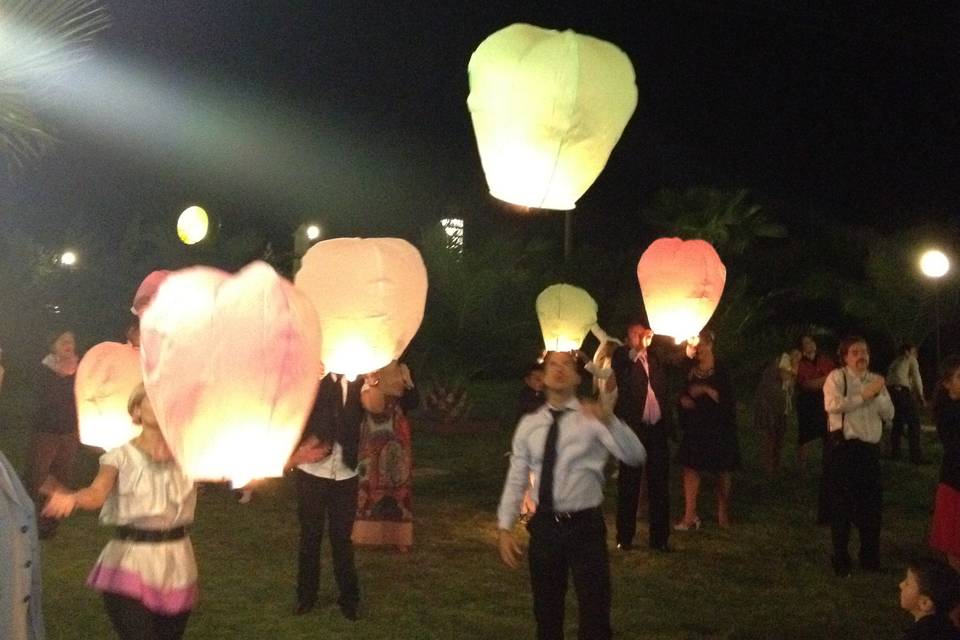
(661, 548)
(350, 611)
(624, 546)
(303, 608)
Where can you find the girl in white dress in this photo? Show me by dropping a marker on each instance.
(147, 572)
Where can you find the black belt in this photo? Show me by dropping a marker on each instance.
(568, 516)
(149, 535)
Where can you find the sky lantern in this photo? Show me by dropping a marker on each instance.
(566, 314)
(681, 282)
(369, 294)
(547, 109)
(105, 377)
(231, 365)
(146, 290)
(192, 225)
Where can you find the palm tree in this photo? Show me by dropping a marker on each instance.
(39, 39)
(725, 219)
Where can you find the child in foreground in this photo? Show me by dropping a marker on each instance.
(929, 591)
(147, 572)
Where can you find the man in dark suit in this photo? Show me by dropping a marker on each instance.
(326, 477)
(641, 403)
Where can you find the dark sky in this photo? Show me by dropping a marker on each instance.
(354, 113)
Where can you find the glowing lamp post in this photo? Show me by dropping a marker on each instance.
(566, 314)
(105, 377)
(681, 282)
(369, 294)
(68, 259)
(547, 109)
(193, 225)
(231, 365)
(312, 232)
(934, 264)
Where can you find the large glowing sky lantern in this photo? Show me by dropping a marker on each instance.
(147, 290)
(231, 366)
(369, 294)
(566, 314)
(547, 109)
(105, 377)
(681, 282)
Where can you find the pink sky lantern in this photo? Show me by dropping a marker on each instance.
(105, 377)
(369, 294)
(231, 365)
(681, 282)
(566, 314)
(146, 290)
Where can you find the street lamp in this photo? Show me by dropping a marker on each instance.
(934, 264)
(68, 258)
(312, 232)
(193, 225)
(304, 237)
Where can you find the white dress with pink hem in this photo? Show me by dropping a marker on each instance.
(148, 495)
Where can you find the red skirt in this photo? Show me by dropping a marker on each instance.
(945, 536)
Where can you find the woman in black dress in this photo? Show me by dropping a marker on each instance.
(709, 442)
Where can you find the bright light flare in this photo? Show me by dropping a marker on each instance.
(934, 264)
(313, 232)
(68, 259)
(193, 225)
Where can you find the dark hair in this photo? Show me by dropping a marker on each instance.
(533, 366)
(938, 581)
(55, 335)
(580, 364)
(906, 348)
(708, 335)
(805, 335)
(940, 396)
(848, 342)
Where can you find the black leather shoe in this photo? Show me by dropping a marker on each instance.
(661, 548)
(841, 568)
(303, 608)
(350, 611)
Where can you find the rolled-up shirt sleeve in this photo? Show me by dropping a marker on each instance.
(518, 478)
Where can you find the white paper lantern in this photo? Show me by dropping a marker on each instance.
(681, 282)
(369, 294)
(105, 377)
(566, 314)
(547, 109)
(231, 366)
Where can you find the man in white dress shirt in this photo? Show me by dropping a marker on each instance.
(559, 452)
(906, 388)
(857, 405)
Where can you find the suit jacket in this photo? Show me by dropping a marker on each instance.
(333, 421)
(632, 385)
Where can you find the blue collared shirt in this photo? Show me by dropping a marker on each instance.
(583, 446)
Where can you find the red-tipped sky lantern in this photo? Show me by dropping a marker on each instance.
(369, 294)
(105, 377)
(231, 366)
(147, 289)
(681, 282)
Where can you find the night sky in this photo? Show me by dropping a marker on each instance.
(354, 114)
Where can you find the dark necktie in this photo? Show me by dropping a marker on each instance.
(545, 497)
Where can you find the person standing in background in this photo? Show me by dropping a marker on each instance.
(906, 390)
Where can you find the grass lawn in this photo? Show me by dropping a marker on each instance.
(767, 576)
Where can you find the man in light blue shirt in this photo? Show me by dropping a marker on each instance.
(21, 615)
(559, 452)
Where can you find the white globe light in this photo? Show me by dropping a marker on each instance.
(313, 232)
(192, 225)
(934, 264)
(68, 259)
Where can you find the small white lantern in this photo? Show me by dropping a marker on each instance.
(566, 314)
(105, 377)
